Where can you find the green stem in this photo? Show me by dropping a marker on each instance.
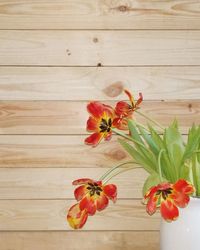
(150, 119)
(114, 168)
(127, 137)
(141, 125)
(119, 172)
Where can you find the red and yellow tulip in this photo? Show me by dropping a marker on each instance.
(124, 110)
(169, 197)
(99, 122)
(92, 196)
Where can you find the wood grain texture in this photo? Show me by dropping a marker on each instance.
(54, 57)
(99, 83)
(98, 14)
(27, 215)
(92, 48)
(29, 183)
(58, 151)
(71, 240)
(63, 117)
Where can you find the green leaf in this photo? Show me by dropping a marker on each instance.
(156, 137)
(193, 142)
(174, 124)
(134, 133)
(152, 145)
(137, 156)
(185, 172)
(196, 174)
(140, 146)
(175, 148)
(172, 135)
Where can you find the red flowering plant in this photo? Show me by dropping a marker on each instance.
(172, 164)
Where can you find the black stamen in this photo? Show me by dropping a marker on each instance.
(94, 188)
(164, 193)
(105, 125)
(109, 122)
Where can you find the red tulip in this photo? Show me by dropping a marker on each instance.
(125, 110)
(92, 196)
(100, 122)
(169, 197)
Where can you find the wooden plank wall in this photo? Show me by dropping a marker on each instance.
(54, 57)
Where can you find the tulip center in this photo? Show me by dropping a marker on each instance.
(165, 193)
(94, 189)
(105, 125)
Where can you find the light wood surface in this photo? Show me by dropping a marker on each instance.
(109, 240)
(93, 48)
(98, 14)
(20, 215)
(100, 83)
(29, 183)
(55, 151)
(63, 117)
(55, 56)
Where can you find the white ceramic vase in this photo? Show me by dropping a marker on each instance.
(184, 233)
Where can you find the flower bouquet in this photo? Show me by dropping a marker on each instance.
(173, 164)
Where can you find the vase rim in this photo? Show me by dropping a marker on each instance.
(195, 197)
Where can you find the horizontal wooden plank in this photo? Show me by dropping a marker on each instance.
(63, 117)
(58, 151)
(92, 48)
(101, 83)
(73, 240)
(51, 215)
(55, 183)
(97, 14)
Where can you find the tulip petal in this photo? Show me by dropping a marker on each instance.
(169, 211)
(82, 181)
(122, 108)
(151, 205)
(102, 202)
(151, 192)
(184, 187)
(180, 199)
(120, 123)
(94, 139)
(164, 186)
(109, 111)
(140, 99)
(96, 109)
(130, 96)
(92, 124)
(77, 218)
(88, 203)
(110, 190)
(80, 192)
